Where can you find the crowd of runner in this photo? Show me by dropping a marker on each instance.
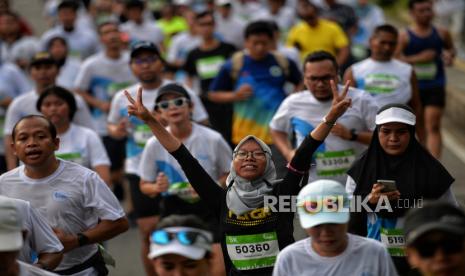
(246, 137)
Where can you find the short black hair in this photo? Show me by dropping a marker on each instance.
(56, 38)
(411, 3)
(68, 4)
(51, 128)
(61, 93)
(203, 14)
(274, 26)
(258, 28)
(321, 56)
(386, 28)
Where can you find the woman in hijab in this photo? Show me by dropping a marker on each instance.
(251, 233)
(396, 156)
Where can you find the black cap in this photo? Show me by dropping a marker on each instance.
(441, 216)
(144, 46)
(42, 58)
(172, 88)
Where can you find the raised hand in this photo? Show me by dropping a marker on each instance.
(340, 102)
(137, 108)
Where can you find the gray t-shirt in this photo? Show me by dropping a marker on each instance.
(72, 199)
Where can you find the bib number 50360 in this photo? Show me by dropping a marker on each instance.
(252, 248)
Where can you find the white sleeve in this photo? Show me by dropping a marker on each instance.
(147, 165)
(350, 186)
(42, 237)
(114, 115)
(448, 196)
(98, 155)
(281, 120)
(13, 114)
(224, 155)
(83, 116)
(100, 199)
(369, 110)
(82, 80)
(199, 113)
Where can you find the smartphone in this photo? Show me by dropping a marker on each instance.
(389, 185)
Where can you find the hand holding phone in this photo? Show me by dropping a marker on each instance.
(389, 185)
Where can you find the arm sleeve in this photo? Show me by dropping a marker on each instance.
(100, 199)
(43, 239)
(300, 162)
(204, 185)
(98, 154)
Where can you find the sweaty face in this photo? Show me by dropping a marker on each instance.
(250, 168)
(178, 110)
(44, 74)
(394, 138)
(33, 143)
(383, 45)
(258, 45)
(175, 265)
(440, 263)
(423, 12)
(329, 239)
(55, 109)
(317, 76)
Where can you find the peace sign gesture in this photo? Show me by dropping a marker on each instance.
(137, 108)
(340, 102)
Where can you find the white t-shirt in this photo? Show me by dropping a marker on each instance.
(72, 199)
(102, 77)
(139, 132)
(147, 31)
(26, 105)
(83, 146)
(388, 82)
(82, 42)
(25, 45)
(30, 270)
(181, 45)
(231, 30)
(68, 72)
(40, 237)
(361, 257)
(285, 18)
(301, 112)
(205, 144)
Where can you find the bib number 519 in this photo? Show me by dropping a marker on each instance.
(252, 248)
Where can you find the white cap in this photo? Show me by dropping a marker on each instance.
(395, 115)
(321, 202)
(11, 238)
(222, 2)
(182, 2)
(195, 251)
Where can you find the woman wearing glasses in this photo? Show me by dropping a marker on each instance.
(162, 176)
(251, 235)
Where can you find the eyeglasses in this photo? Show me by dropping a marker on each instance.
(242, 154)
(178, 102)
(163, 237)
(146, 60)
(449, 246)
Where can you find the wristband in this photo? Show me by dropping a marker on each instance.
(328, 123)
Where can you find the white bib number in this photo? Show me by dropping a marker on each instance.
(426, 71)
(334, 163)
(75, 157)
(394, 241)
(142, 134)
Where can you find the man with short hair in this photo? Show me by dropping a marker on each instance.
(435, 239)
(323, 208)
(75, 201)
(11, 242)
(44, 71)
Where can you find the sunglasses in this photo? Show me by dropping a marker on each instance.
(175, 102)
(242, 154)
(163, 237)
(449, 246)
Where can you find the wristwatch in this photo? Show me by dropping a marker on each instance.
(353, 135)
(82, 239)
(331, 124)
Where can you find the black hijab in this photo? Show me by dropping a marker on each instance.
(417, 173)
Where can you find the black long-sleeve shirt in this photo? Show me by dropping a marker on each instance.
(258, 221)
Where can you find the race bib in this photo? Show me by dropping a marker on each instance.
(208, 68)
(394, 241)
(142, 134)
(426, 71)
(334, 163)
(381, 83)
(184, 191)
(253, 251)
(75, 157)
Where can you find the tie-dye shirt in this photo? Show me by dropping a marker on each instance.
(267, 79)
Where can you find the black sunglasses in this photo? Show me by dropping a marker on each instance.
(449, 246)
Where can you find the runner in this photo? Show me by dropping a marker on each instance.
(147, 65)
(77, 144)
(395, 156)
(244, 221)
(388, 80)
(161, 174)
(301, 112)
(11, 238)
(181, 245)
(323, 208)
(75, 201)
(229, 26)
(428, 49)
(69, 66)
